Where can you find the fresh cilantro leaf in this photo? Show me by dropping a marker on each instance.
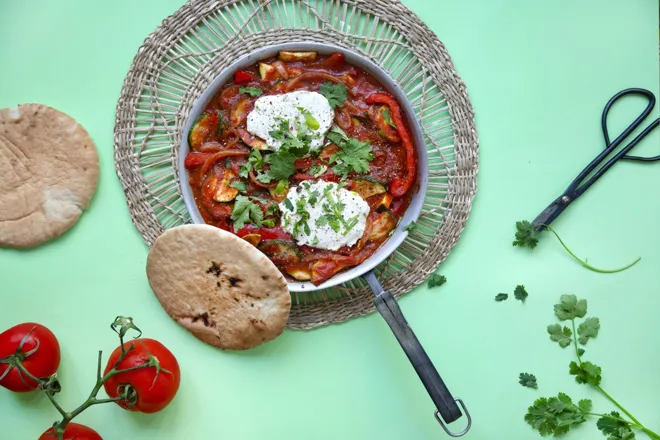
(613, 426)
(588, 329)
(353, 155)
(254, 161)
(556, 415)
(436, 280)
(570, 308)
(273, 209)
(410, 227)
(282, 165)
(501, 297)
(586, 373)
(288, 205)
(315, 241)
(241, 186)
(313, 197)
(580, 351)
(526, 235)
(252, 91)
(316, 170)
(560, 335)
(334, 93)
(387, 116)
(245, 211)
(528, 380)
(520, 293)
(244, 171)
(337, 136)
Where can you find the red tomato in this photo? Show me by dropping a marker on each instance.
(241, 77)
(73, 431)
(39, 354)
(155, 387)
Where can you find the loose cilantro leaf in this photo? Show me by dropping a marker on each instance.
(588, 329)
(354, 156)
(560, 335)
(282, 165)
(410, 227)
(570, 308)
(436, 280)
(337, 136)
(614, 427)
(255, 161)
(556, 415)
(501, 297)
(528, 380)
(282, 186)
(245, 211)
(520, 293)
(526, 235)
(252, 91)
(334, 93)
(241, 186)
(586, 373)
(580, 351)
(273, 210)
(316, 170)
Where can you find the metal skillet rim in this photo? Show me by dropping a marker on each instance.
(413, 211)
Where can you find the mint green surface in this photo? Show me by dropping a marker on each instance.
(538, 74)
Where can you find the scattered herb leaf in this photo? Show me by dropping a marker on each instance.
(561, 335)
(245, 211)
(252, 91)
(588, 329)
(520, 293)
(528, 380)
(501, 297)
(436, 280)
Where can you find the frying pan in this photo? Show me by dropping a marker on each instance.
(447, 409)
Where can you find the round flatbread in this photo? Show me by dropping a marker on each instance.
(49, 171)
(218, 286)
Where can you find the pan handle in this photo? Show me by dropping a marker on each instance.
(445, 403)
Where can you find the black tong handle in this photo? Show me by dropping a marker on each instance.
(446, 405)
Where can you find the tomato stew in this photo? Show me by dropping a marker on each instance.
(237, 187)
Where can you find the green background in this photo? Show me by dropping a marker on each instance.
(538, 74)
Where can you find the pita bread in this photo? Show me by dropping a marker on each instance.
(218, 286)
(49, 171)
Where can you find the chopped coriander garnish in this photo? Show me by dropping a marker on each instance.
(388, 117)
(245, 211)
(282, 186)
(241, 186)
(316, 170)
(269, 223)
(436, 280)
(334, 93)
(252, 91)
(288, 204)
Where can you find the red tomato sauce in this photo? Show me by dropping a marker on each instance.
(220, 146)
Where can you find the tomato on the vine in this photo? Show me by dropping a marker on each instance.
(72, 431)
(33, 345)
(154, 386)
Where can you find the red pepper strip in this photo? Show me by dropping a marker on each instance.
(195, 160)
(220, 155)
(399, 186)
(312, 76)
(241, 77)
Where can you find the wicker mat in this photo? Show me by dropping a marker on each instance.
(183, 55)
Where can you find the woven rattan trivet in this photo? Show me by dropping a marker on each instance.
(183, 55)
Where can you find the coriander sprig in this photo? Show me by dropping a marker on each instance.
(558, 415)
(527, 235)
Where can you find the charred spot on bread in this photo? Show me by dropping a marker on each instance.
(205, 319)
(214, 269)
(234, 281)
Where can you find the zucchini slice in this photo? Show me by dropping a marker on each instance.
(253, 239)
(382, 226)
(240, 111)
(368, 186)
(201, 129)
(299, 271)
(297, 56)
(384, 202)
(280, 251)
(224, 192)
(277, 197)
(267, 72)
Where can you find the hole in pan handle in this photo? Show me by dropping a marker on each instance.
(447, 409)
